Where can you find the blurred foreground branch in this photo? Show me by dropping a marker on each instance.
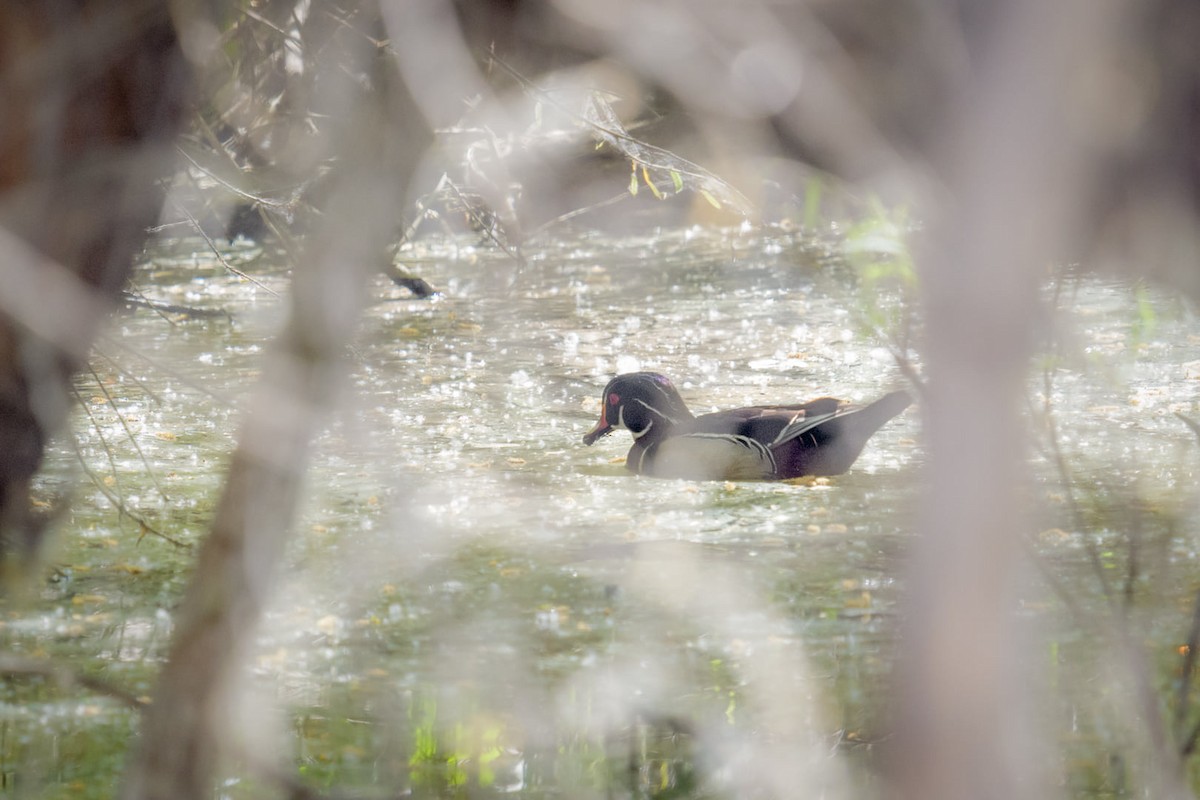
(91, 97)
(1016, 130)
(188, 727)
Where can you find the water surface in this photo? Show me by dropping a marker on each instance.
(476, 603)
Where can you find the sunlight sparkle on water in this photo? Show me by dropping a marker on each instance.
(628, 363)
(455, 524)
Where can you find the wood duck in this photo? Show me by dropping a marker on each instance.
(821, 437)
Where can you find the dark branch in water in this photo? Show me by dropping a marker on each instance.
(1191, 423)
(65, 677)
(140, 301)
(418, 286)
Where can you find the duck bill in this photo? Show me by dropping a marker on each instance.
(602, 428)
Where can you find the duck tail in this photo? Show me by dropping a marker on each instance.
(876, 415)
(832, 446)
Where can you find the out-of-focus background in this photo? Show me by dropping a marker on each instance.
(306, 306)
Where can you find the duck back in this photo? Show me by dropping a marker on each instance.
(829, 446)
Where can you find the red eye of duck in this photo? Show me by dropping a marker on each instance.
(614, 399)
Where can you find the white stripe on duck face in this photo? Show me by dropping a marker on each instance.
(654, 410)
(621, 424)
(663, 391)
(639, 434)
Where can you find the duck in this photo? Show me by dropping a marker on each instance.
(819, 438)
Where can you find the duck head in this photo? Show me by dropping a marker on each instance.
(640, 402)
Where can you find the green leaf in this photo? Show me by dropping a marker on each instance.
(653, 189)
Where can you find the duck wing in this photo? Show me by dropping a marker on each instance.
(764, 424)
(828, 443)
(727, 445)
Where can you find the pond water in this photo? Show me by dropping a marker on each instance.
(475, 603)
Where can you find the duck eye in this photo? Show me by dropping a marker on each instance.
(614, 399)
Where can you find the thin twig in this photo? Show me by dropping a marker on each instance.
(122, 509)
(422, 209)
(1086, 619)
(645, 152)
(482, 224)
(1133, 560)
(1189, 666)
(130, 297)
(1188, 746)
(112, 460)
(141, 384)
(216, 252)
(187, 381)
(1183, 697)
(132, 439)
(254, 198)
(1060, 463)
(570, 215)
